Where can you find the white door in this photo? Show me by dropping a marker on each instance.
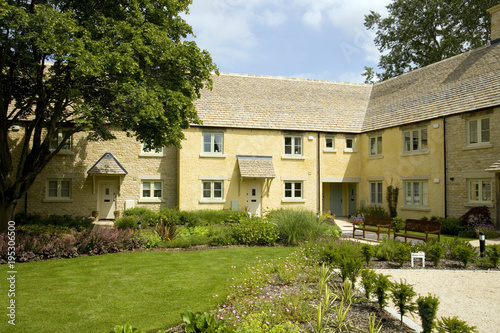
(254, 197)
(107, 197)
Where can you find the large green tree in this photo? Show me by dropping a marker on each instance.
(83, 65)
(417, 33)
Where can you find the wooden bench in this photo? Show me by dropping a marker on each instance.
(425, 227)
(374, 224)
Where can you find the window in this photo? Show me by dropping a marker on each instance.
(155, 151)
(212, 190)
(376, 146)
(415, 140)
(212, 143)
(293, 190)
(330, 143)
(416, 193)
(152, 189)
(349, 145)
(57, 139)
(293, 145)
(479, 190)
(376, 193)
(479, 131)
(58, 189)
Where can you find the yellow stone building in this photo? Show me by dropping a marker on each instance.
(273, 142)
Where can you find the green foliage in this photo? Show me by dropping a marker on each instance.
(297, 226)
(234, 216)
(464, 253)
(257, 323)
(146, 216)
(435, 252)
(221, 236)
(386, 249)
(402, 253)
(382, 285)
(402, 297)
(493, 254)
(127, 328)
(454, 325)
(374, 327)
(371, 210)
(256, 231)
(368, 252)
(204, 323)
(167, 230)
(398, 222)
(350, 266)
(414, 36)
(126, 222)
(427, 309)
(36, 229)
(392, 196)
(477, 216)
(60, 221)
(369, 280)
(450, 226)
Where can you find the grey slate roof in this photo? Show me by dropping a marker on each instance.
(256, 166)
(463, 83)
(107, 165)
(495, 167)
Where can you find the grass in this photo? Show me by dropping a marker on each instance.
(147, 289)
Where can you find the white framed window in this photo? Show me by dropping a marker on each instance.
(151, 189)
(213, 143)
(415, 140)
(57, 139)
(151, 152)
(58, 189)
(416, 193)
(330, 143)
(478, 131)
(293, 189)
(479, 190)
(349, 145)
(376, 193)
(376, 145)
(293, 145)
(212, 190)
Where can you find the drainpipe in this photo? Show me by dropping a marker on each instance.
(445, 170)
(319, 174)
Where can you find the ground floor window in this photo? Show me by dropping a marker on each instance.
(416, 193)
(212, 189)
(58, 189)
(376, 192)
(152, 189)
(479, 190)
(293, 190)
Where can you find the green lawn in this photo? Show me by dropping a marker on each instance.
(147, 289)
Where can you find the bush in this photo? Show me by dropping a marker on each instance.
(381, 286)
(126, 222)
(204, 322)
(234, 216)
(465, 253)
(402, 253)
(77, 222)
(127, 328)
(398, 222)
(368, 252)
(256, 231)
(435, 252)
(477, 216)
(372, 210)
(211, 216)
(297, 226)
(146, 216)
(402, 297)
(451, 226)
(427, 309)
(454, 325)
(167, 229)
(368, 279)
(493, 254)
(40, 229)
(221, 236)
(386, 250)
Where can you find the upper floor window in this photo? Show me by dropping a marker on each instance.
(478, 131)
(416, 193)
(376, 145)
(376, 193)
(479, 190)
(58, 189)
(58, 138)
(349, 145)
(153, 151)
(415, 140)
(212, 143)
(293, 145)
(330, 143)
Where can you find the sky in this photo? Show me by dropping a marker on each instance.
(310, 39)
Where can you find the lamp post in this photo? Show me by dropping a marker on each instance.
(482, 244)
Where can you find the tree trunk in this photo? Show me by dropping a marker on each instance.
(7, 212)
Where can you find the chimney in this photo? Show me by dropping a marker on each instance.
(495, 23)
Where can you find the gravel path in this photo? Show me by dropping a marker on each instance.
(473, 296)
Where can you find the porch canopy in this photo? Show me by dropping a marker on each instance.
(495, 167)
(256, 167)
(107, 165)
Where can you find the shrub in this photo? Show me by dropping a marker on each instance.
(221, 236)
(465, 253)
(204, 322)
(402, 253)
(402, 297)
(381, 286)
(77, 222)
(477, 216)
(368, 279)
(126, 222)
(39, 229)
(167, 230)
(350, 266)
(368, 252)
(211, 216)
(127, 328)
(173, 215)
(234, 216)
(297, 226)
(451, 226)
(435, 252)
(398, 222)
(427, 309)
(454, 325)
(372, 210)
(493, 254)
(146, 216)
(256, 231)
(386, 250)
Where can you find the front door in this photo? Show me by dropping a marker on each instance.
(352, 198)
(107, 197)
(254, 197)
(336, 199)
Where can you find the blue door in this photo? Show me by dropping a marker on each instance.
(352, 199)
(336, 199)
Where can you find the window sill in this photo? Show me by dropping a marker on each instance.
(422, 152)
(350, 150)
(488, 204)
(213, 155)
(417, 208)
(478, 146)
(293, 200)
(292, 157)
(55, 200)
(212, 201)
(146, 200)
(151, 155)
(330, 150)
(375, 157)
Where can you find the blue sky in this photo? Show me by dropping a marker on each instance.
(313, 39)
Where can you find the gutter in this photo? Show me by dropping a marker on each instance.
(319, 174)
